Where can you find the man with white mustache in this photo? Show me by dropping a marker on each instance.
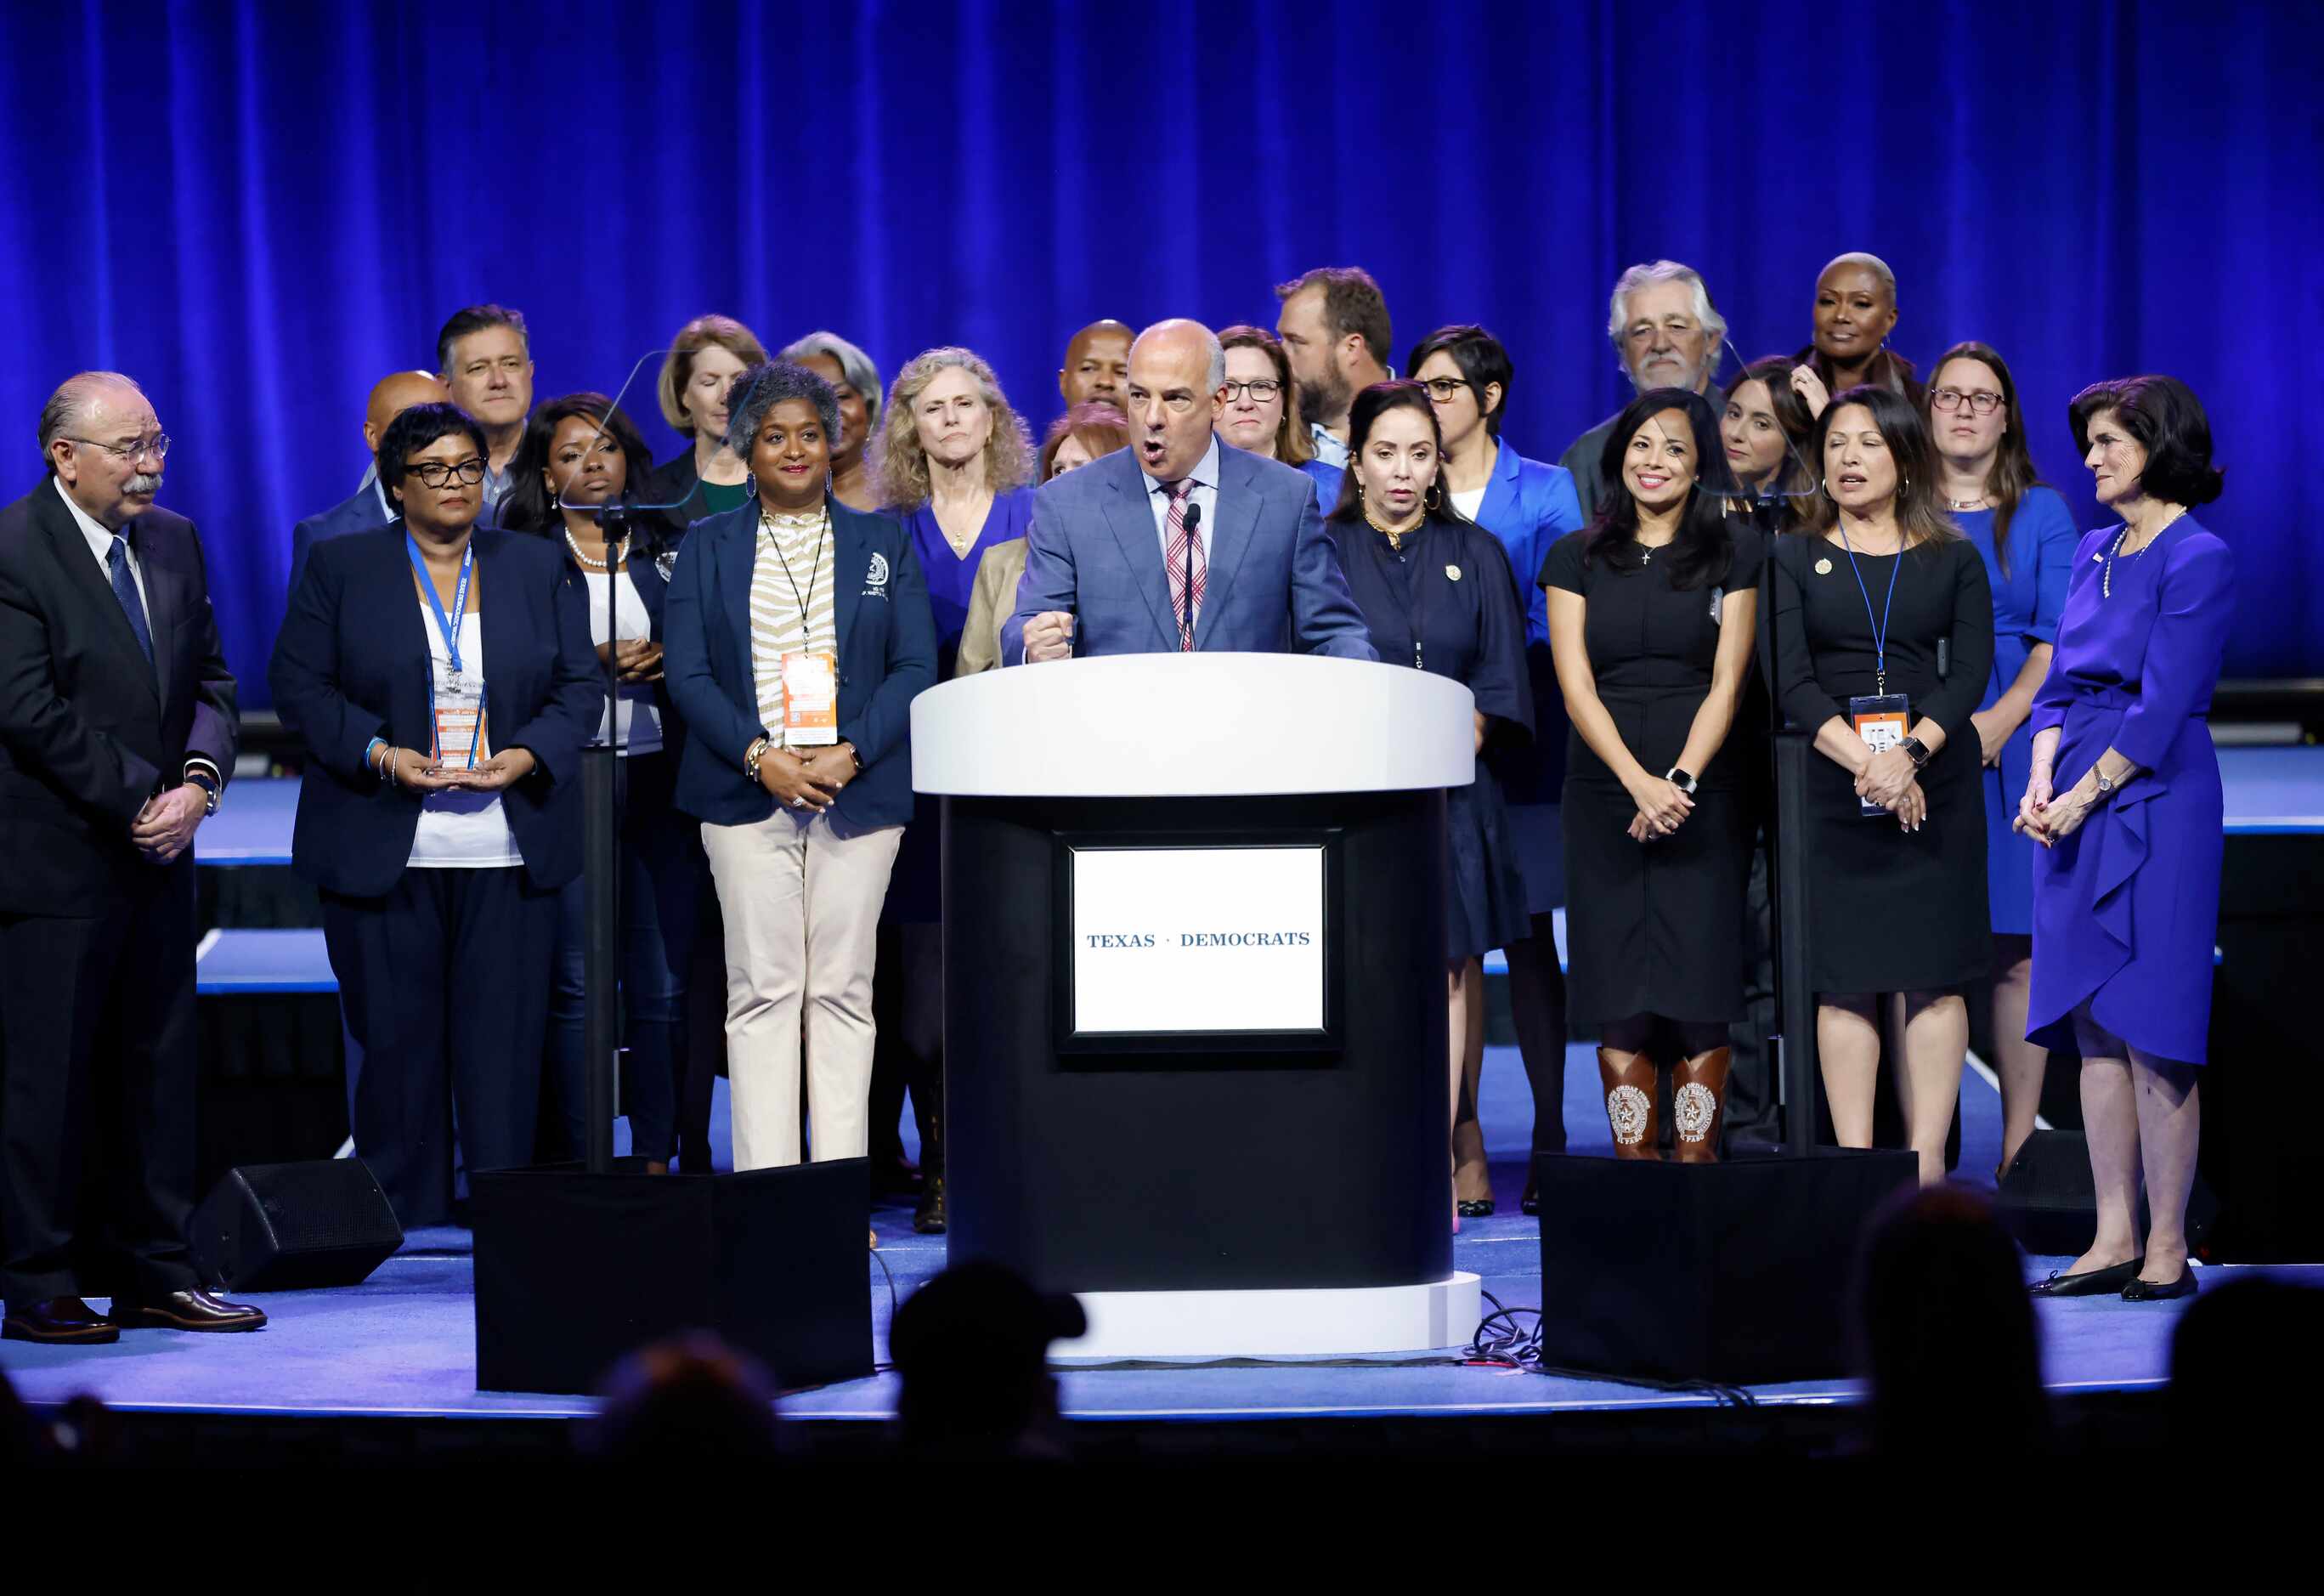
(1668, 334)
(117, 733)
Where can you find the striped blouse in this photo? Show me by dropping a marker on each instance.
(791, 588)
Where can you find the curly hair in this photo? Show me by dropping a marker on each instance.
(764, 386)
(903, 464)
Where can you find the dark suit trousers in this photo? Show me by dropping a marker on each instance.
(445, 983)
(97, 1064)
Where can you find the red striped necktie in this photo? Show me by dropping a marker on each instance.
(1189, 569)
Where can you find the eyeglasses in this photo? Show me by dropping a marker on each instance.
(1984, 400)
(1262, 392)
(436, 473)
(157, 446)
(1441, 389)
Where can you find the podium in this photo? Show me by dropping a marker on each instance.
(1195, 1016)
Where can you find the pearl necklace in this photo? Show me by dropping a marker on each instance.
(2105, 571)
(621, 553)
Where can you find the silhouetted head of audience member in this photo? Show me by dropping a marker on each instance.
(972, 1347)
(1945, 1331)
(2235, 1361)
(689, 1398)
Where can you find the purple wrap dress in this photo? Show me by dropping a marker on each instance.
(2125, 910)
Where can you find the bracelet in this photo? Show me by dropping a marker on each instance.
(371, 757)
(753, 754)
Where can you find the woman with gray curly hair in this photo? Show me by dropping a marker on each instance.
(856, 379)
(797, 633)
(955, 465)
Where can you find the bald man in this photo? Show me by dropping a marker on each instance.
(117, 736)
(1097, 366)
(391, 396)
(1177, 544)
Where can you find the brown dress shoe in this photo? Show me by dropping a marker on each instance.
(1628, 1079)
(1699, 1105)
(58, 1319)
(188, 1310)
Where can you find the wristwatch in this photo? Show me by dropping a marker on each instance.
(1680, 779)
(1916, 751)
(201, 779)
(2106, 783)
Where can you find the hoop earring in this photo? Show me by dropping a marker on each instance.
(1437, 488)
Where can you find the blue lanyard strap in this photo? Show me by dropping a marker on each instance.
(1879, 627)
(445, 625)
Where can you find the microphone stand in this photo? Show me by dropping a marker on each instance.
(601, 874)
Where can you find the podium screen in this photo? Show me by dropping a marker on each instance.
(1188, 942)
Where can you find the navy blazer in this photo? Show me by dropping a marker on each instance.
(351, 664)
(89, 731)
(359, 513)
(653, 547)
(886, 658)
(1273, 586)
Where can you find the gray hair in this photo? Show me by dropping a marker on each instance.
(855, 365)
(1648, 272)
(1871, 263)
(760, 389)
(73, 397)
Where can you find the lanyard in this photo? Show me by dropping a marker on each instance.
(1879, 627)
(445, 625)
(814, 575)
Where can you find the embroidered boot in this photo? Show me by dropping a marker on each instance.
(1628, 1079)
(1699, 1105)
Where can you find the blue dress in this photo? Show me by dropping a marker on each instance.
(2127, 909)
(1529, 505)
(915, 895)
(2028, 599)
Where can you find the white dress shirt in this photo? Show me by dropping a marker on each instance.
(1205, 479)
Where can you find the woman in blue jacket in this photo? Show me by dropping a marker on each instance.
(797, 633)
(440, 676)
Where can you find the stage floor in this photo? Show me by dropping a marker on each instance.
(402, 1344)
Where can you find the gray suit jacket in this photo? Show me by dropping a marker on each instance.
(1274, 585)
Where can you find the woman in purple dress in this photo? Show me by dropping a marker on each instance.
(955, 463)
(2123, 797)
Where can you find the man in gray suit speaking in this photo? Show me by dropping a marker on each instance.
(1180, 543)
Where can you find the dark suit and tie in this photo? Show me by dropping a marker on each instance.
(367, 509)
(112, 689)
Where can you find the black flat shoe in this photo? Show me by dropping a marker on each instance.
(2140, 1290)
(929, 1218)
(1531, 1201)
(1483, 1209)
(2103, 1282)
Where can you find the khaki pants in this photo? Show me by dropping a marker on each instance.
(801, 904)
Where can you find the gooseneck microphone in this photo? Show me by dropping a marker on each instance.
(1194, 522)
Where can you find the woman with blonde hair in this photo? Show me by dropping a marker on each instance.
(705, 357)
(955, 465)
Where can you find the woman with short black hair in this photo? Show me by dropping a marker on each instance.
(2125, 800)
(799, 634)
(1884, 641)
(1653, 614)
(580, 454)
(438, 812)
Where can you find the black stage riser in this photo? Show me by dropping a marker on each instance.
(1737, 1272)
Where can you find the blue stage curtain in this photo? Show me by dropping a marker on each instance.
(259, 209)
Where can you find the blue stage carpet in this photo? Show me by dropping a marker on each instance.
(403, 1342)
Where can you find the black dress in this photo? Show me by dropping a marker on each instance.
(1653, 927)
(1888, 909)
(1451, 587)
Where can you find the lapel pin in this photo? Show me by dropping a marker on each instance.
(1824, 568)
(1453, 572)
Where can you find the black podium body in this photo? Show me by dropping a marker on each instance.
(1203, 1186)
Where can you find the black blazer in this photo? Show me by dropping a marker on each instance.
(886, 658)
(88, 731)
(351, 664)
(653, 554)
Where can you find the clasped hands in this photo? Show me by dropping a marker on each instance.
(408, 768)
(164, 828)
(1663, 807)
(633, 659)
(1890, 779)
(806, 778)
(2050, 818)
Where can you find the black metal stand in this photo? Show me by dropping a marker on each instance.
(601, 873)
(1795, 995)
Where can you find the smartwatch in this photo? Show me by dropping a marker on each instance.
(1680, 779)
(1916, 751)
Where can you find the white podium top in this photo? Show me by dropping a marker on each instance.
(1192, 726)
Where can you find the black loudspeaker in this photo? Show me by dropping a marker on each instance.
(294, 1227)
(575, 1270)
(2050, 1202)
(1737, 1271)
